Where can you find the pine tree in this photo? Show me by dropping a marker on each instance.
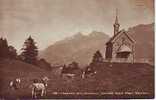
(4, 49)
(12, 52)
(1, 47)
(97, 57)
(30, 51)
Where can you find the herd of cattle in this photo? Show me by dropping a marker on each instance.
(39, 86)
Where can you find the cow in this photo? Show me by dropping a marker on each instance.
(88, 72)
(39, 87)
(14, 84)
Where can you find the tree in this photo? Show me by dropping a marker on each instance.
(97, 57)
(30, 51)
(74, 65)
(12, 52)
(70, 68)
(4, 50)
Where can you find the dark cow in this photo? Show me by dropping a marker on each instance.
(88, 72)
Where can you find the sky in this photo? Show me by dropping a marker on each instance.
(48, 21)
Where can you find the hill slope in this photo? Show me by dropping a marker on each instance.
(11, 69)
(78, 48)
(17, 66)
(144, 37)
(109, 77)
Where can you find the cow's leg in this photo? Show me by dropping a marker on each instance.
(42, 92)
(32, 93)
(45, 92)
(35, 94)
(83, 75)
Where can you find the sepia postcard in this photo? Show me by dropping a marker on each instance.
(76, 49)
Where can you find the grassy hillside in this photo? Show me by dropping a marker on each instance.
(110, 77)
(11, 69)
(113, 77)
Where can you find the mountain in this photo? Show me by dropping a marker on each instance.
(144, 38)
(81, 47)
(78, 48)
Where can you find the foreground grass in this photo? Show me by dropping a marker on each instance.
(119, 79)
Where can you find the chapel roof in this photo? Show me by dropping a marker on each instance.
(118, 35)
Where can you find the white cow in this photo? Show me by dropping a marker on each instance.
(39, 87)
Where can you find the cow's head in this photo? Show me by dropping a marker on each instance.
(18, 80)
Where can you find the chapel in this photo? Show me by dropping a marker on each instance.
(120, 47)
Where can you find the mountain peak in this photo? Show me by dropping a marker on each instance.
(96, 33)
(78, 35)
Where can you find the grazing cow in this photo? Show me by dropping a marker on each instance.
(39, 86)
(14, 84)
(88, 72)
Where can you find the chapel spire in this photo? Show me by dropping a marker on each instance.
(116, 24)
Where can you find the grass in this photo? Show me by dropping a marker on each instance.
(110, 77)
